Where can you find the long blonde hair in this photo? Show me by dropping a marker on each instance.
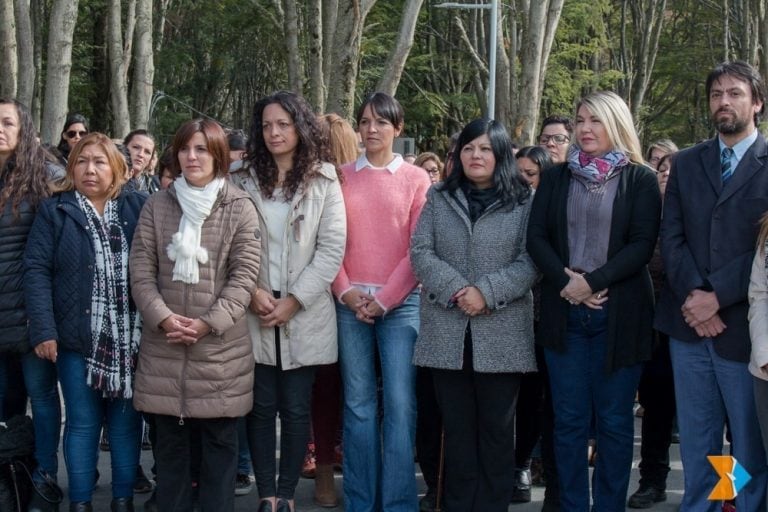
(613, 112)
(341, 137)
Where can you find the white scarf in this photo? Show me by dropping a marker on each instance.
(184, 249)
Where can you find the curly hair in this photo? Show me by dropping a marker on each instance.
(24, 175)
(311, 149)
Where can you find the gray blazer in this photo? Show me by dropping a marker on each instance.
(449, 253)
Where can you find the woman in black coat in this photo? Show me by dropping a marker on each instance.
(592, 231)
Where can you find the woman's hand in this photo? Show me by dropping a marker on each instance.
(471, 301)
(354, 299)
(48, 349)
(262, 302)
(369, 311)
(577, 290)
(180, 329)
(596, 300)
(284, 309)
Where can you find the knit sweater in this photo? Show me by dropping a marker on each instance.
(382, 211)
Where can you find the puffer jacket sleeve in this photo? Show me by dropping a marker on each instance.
(512, 281)
(243, 271)
(38, 276)
(440, 280)
(144, 267)
(316, 278)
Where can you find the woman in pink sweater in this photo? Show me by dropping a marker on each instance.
(378, 309)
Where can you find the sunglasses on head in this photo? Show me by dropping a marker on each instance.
(73, 133)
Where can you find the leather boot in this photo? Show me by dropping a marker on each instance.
(80, 506)
(325, 487)
(121, 505)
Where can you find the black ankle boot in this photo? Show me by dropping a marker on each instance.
(121, 505)
(81, 506)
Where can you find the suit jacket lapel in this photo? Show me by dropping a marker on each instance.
(752, 161)
(710, 162)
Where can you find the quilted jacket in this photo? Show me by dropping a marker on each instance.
(59, 263)
(212, 378)
(14, 229)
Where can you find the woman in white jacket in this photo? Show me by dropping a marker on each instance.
(758, 328)
(292, 324)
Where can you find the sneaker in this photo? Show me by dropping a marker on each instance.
(243, 485)
(646, 496)
(522, 490)
(143, 484)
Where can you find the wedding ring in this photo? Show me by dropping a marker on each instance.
(599, 295)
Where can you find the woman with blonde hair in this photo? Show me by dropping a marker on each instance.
(77, 261)
(593, 227)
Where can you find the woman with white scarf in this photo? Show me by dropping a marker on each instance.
(81, 315)
(195, 261)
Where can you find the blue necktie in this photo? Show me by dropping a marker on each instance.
(725, 164)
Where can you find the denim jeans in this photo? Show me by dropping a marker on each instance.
(581, 388)
(42, 387)
(86, 409)
(243, 452)
(378, 457)
(708, 389)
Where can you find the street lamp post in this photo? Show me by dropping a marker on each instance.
(494, 7)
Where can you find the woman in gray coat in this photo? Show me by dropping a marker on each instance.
(476, 330)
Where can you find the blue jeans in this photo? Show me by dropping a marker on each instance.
(243, 451)
(580, 388)
(379, 473)
(708, 388)
(86, 409)
(42, 387)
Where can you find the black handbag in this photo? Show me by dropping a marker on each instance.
(17, 448)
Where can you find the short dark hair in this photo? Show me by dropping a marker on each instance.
(507, 180)
(236, 139)
(385, 106)
(557, 119)
(744, 72)
(537, 155)
(215, 138)
(72, 118)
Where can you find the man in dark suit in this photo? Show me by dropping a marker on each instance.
(716, 194)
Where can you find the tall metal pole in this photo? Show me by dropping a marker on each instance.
(492, 64)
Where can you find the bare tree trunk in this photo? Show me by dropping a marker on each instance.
(9, 73)
(505, 101)
(330, 15)
(393, 69)
(291, 29)
(648, 33)
(533, 64)
(38, 16)
(349, 30)
(762, 28)
(59, 63)
(25, 40)
(143, 66)
(118, 87)
(316, 94)
(159, 35)
(726, 31)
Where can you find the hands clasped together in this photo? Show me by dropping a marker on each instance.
(363, 304)
(471, 301)
(578, 291)
(180, 329)
(274, 312)
(700, 312)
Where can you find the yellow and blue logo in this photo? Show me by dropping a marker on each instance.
(733, 477)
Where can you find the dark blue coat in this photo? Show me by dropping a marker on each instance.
(59, 263)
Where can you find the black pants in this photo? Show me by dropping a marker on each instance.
(288, 392)
(218, 466)
(429, 424)
(657, 396)
(478, 413)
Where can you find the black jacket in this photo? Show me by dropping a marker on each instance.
(708, 240)
(634, 229)
(59, 263)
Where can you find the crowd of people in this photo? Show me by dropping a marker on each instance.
(495, 313)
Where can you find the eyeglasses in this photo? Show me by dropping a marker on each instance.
(433, 170)
(557, 139)
(74, 133)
